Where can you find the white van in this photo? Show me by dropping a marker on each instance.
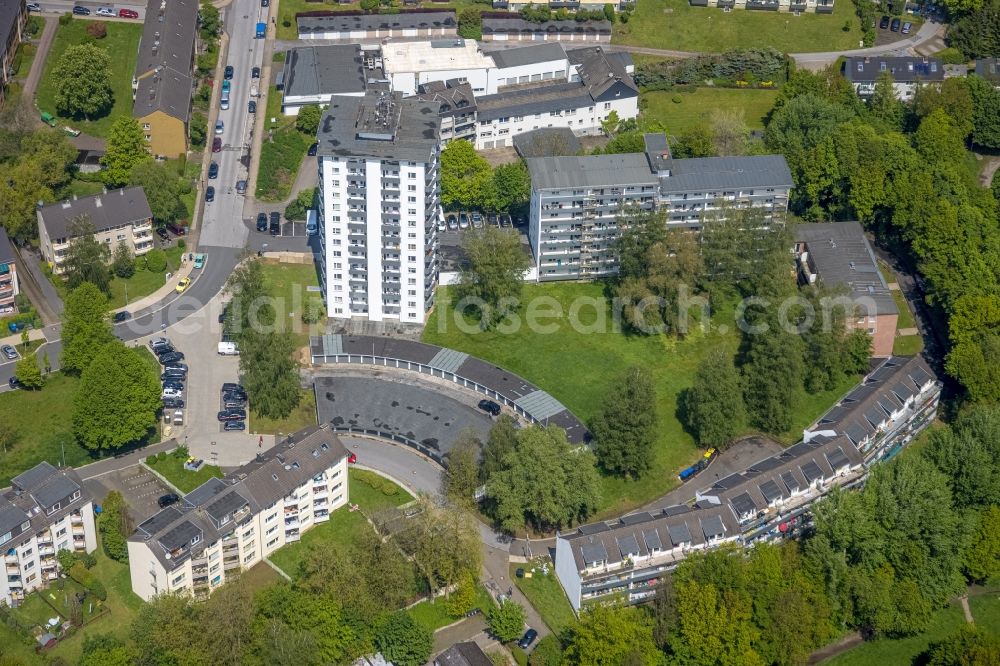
(228, 349)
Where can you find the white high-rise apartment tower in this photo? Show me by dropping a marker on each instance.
(379, 207)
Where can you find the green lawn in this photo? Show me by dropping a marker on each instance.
(907, 345)
(695, 108)
(280, 157)
(674, 24)
(172, 469)
(142, 283)
(37, 439)
(122, 44)
(302, 416)
(289, 285)
(580, 368)
(906, 319)
(546, 595)
(344, 524)
(986, 611)
(434, 614)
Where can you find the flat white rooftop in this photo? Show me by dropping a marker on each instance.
(434, 56)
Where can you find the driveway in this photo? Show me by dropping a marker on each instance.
(140, 488)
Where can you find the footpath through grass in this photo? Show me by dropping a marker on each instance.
(676, 25)
(546, 595)
(434, 614)
(370, 492)
(580, 365)
(121, 43)
(695, 108)
(171, 467)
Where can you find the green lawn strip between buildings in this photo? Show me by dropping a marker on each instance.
(121, 43)
(434, 614)
(288, 285)
(676, 25)
(546, 596)
(579, 367)
(695, 108)
(172, 469)
(907, 345)
(302, 416)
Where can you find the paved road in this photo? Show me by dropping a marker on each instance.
(222, 220)
(928, 32)
(38, 64)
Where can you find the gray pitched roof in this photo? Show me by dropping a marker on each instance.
(599, 72)
(529, 101)
(355, 127)
(6, 249)
(106, 211)
(547, 142)
(168, 91)
(9, 12)
(453, 96)
(167, 45)
(841, 255)
(551, 173)
(30, 479)
(463, 654)
(988, 68)
(32, 495)
(904, 69)
(11, 518)
(514, 23)
(54, 490)
(698, 174)
(357, 21)
(322, 70)
(527, 55)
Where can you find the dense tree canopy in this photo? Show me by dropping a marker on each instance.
(126, 149)
(624, 426)
(492, 279)
(162, 188)
(713, 406)
(82, 77)
(86, 327)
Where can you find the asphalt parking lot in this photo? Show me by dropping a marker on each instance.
(408, 410)
(453, 255)
(140, 488)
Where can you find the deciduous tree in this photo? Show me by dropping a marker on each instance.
(115, 526)
(501, 441)
(122, 264)
(624, 426)
(971, 645)
(86, 258)
(126, 148)
(28, 372)
(82, 78)
(492, 280)
(610, 636)
(404, 642)
(86, 328)
(464, 175)
(308, 119)
(982, 551)
(461, 477)
(162, 188)
(506, 620)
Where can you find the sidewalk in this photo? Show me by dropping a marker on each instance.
(15, 339)
(146, 301)
(38, 64)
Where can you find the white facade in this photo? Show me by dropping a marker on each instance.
(583, 120)
(411, 64)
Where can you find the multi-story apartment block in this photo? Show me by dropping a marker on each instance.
(354, 25)
(118, 216)
(13, 17)
(9, 288)
(795, 6)
(907, 73)
(623, 560)
(230, 524)
(379, 206)
(456, 105)
(576, 202)
(46, 510)
(510, 27)
(837, 254)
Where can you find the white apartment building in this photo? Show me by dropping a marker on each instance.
(118, 216)
(379, 207)
(230, 524)
(45, 510)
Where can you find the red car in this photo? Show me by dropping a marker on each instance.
(352, 457)
(217, 145)
(128, 13)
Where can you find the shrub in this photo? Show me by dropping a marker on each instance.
(161, 456)
(676, 99)
(151, 460)
(181, 453)
(181, 244)
(66, 19)
(97, 30)
(98, 590)
(312, 313)
(156, 261)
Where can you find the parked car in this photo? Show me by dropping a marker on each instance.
(237, 426)
(170, 393)
(894, 26)
(255, 73)
(9, 352)
(213, 170)
(463, 220)
(173, 403)
(505, 220)
(906, 28)
(177, 229)
(15, 383)
(226, 85)
(493, 220)
(452, 223)
(106, 11)
(261, 221)
(199, 260)
(119, 317)
(173, 384)
(176, 365)
(884, 22)
(156, 343)
(216, 145)
(34, 7)
(209, 194)
(490, 407)
(128, 13)
(477, 220)
(234, 396)
(81, 11)
(275, 223)
(312, 149)
(241, 187)
(173, 374)
(232, 415)
(171, 358)
(164, 236)
(232, 386)
(442, 225)
(252, 106)
(352, 457)
(264, 3)
(227, 74)
(183, 284)
(527, 639)
(167, 500)
(220, 127)
(162, 351)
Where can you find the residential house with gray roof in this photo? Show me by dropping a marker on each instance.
(577, 201)
(118, 216)
(9, 287)
(510, 27)
(907, 73)
(45, 510)
(13, 18)
(230, 524)
(623, 560)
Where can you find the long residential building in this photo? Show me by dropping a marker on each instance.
(486, 97)
(907, 73)
(359, 25)
(379, 207)
(227, 525)
(576, 202)
(9, 287)
(794, 6)
(13, 18)
(46, 510)
(623, 560)
(118, 216)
